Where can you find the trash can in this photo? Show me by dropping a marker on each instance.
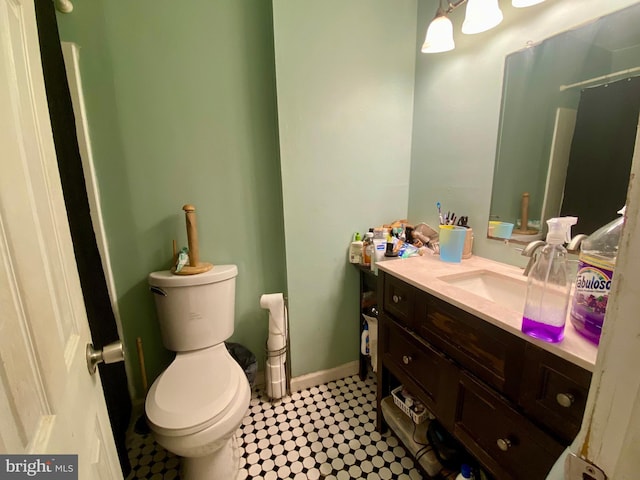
(246, 359)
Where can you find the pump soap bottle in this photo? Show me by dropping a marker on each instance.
(549, 285)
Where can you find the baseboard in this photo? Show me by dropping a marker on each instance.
(323, 376)
(316, 378)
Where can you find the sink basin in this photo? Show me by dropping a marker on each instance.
(503, 290)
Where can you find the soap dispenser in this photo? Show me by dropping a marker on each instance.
(549, 285)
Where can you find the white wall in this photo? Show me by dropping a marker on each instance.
(457, 109)
(345, 73)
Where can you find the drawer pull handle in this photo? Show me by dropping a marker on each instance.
(406, 359)
(565, 399)
(397, 299)
(504, 444)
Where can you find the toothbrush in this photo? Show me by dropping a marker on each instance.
(439, 212)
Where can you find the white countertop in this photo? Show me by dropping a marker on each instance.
(425, 272)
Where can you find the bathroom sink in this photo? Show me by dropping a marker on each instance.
(501, 289)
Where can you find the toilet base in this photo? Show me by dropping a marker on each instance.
(224, 463)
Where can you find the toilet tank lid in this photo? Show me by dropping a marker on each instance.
(218, 273)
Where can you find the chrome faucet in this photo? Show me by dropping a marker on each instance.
(529, 251)
(574, 245)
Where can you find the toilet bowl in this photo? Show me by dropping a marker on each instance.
(197, 404)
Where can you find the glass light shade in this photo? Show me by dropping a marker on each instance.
(439, 36)
(481, 15)
(525, 3)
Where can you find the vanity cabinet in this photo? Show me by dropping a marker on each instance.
(513, 405)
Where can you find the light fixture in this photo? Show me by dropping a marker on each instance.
(439, 34)
(525, 3)
(480, 16)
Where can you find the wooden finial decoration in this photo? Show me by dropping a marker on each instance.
(195, 266)
(524, 218)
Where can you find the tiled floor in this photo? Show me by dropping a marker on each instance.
(325, 432)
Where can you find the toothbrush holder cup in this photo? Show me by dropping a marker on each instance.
(452, 241)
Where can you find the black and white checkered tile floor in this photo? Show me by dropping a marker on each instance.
(325, 432)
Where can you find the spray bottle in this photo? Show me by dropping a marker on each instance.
(549, 285)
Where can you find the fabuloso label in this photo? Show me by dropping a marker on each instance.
(590, 300)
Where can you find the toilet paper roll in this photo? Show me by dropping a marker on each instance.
(276, 377)
(274, 302)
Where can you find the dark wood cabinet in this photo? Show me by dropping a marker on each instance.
(400, 300)
(554, 393)
(429, 371)
(513, 405)
(488, 352)
(501, 437)
(368, 298)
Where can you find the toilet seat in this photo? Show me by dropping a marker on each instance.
(194, 392)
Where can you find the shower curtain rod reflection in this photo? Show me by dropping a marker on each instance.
(600, 78)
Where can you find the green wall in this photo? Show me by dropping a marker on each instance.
(182, 109)
(345, 75)
(457, 110)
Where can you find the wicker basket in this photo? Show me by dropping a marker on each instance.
(406, 409)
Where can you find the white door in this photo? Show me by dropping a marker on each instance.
(49, 403)
(610, 433)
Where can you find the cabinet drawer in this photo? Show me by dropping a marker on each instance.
(435, 376)
(399, 300)
(487, 351)
(554, 392)
(499, 436)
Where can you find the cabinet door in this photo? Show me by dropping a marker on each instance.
(425, 372)
(554, 392)
(501, 438)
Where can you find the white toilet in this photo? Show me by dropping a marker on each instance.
(196, 405)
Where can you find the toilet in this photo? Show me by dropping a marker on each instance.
(197, 404)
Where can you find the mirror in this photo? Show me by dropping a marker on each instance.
(551, 158)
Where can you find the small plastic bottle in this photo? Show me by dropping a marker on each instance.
(355, 249)
(465, 473)
(549, 285)
(367, 248)
(597, 260)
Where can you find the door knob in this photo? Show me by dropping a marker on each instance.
(406, 359)
(112, 353)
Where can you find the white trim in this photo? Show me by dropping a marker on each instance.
(316, 378)
(71, 52)
(323, 376)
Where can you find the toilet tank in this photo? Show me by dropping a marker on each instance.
(195, 311)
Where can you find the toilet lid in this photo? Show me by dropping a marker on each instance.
(194, 390)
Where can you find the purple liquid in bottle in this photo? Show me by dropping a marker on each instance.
(543, 331)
